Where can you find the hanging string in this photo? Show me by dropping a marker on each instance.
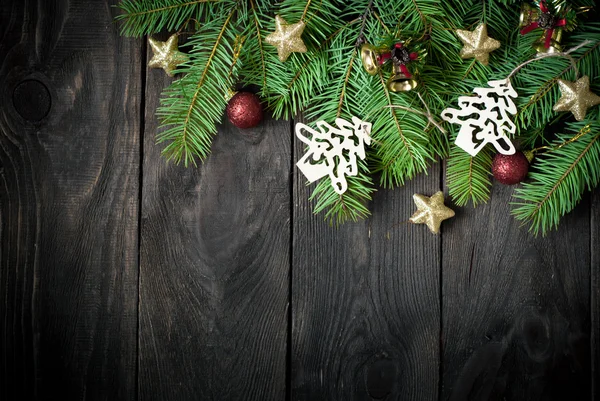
(566, 54)
(427, 114)
(545, 149)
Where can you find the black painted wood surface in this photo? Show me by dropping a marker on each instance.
(70, 100)
(123, 277)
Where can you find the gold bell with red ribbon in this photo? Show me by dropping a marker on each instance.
(373, 57)
(402, 79)
(528, 15)
(555, 39)
(399, 81)
(541, 17)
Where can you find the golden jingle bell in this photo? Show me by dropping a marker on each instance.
(555, 46)
(369, 55)
(528, 15)
(400, 82)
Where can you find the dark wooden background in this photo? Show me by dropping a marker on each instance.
(125, 278)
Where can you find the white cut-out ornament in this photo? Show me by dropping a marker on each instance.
(332, 151)
(485, 118)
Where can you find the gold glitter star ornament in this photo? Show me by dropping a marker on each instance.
(286, 38)
(477, 44)
(431, 211)
(576, 97)
(166, 55)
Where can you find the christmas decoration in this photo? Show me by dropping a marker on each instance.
(511, 169)
(541, 17)
(491, 108)
(244, 110)
(166, 54)
(431, 211)
(576, 97)
(477, 44)
(333, 151)
(287, 38)
(232, 47)
(401, 80)
(371, 58)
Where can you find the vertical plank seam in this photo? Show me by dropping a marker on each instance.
(288, 362)
(144, 55)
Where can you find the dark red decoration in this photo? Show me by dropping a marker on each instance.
(545, 21)
(244, 110)
(400, 56)
(510, 169)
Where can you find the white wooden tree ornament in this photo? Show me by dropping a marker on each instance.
(333, 151)
(485, 118)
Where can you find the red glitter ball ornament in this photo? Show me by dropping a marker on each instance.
(244, 110)
(510, 169)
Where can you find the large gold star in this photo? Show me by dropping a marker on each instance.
(477, 44)
(431, 211)
(166, 55)
(576, 97)
(286, 38)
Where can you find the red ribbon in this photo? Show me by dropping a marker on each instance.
(550, 31)
(381, 59)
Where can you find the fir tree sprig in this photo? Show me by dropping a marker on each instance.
(352, 205)
(558, 180)
(151, 16)
(329, 82)
(469, 177)
(193, 105)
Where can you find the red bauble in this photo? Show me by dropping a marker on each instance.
(244, 110)
(510, 169)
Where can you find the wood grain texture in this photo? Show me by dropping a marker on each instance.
(516, 309)
(215, 266)
(595, 292)
(365, 301)
(69, 162)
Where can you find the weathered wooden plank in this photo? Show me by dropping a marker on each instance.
(69, 161)
(365, 300)
(595, 292)
(516, 309)
(215, 266)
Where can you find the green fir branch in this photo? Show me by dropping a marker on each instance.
(193, 105)
(352, 205)
(558, 181)
(145, 17)
(469, 177)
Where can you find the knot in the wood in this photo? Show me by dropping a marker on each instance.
(381, 377)
(31, 99)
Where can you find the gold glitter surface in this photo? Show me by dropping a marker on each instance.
(431, 211)
(477, 44)
(166, 55)
(576, 97)
(286, 38)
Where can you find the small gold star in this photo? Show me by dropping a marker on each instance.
(431, 211)
(576, 97)
(166, 55)
(286, 38)
(477, 44)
